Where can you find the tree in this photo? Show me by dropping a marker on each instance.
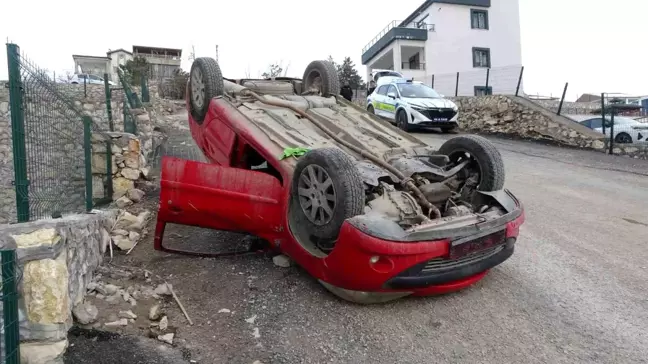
(136, 68)
(347, 73)
(274, 70)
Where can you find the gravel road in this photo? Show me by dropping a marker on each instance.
(573, 292)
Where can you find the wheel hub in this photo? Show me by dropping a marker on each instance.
(197, 88)
(316, 194)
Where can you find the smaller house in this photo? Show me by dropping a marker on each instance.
(588, 98)
(95, 65)
(118, 57)
(162, 61)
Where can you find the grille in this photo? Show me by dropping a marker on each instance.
(442, 264)
(439, 113)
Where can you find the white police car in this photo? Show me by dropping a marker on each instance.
(412, 104)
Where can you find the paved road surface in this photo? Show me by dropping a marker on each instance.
(575, 291)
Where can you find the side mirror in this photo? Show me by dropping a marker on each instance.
(391, 95)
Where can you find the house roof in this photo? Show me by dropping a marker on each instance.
(119, 50)
(427, 3)
(588, 98)
(75, 56)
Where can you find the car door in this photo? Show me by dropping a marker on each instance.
(220, 198)
(379, 98)
(391, 99)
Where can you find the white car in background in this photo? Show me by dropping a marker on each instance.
(412, 104)
(626, 130)
(89, 79)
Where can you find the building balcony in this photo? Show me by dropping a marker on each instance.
(392, 32)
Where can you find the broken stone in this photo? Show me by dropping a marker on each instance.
(123, 242)
(224, 310)
(145, 172)
(154, 312)
(251, 319)
(85, 313)
(110, 289)
(255, 333)
(131, 222)
(167, 338)
(133, 236)
(121, 185)
(132, 302)
(135, 194)
(120, 232)
(281, 261)
(123, 202)
(127, 314)
(120, 322)
(163, 290)
(126, 296)
(164, 323)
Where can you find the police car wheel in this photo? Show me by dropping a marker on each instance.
(401, 121)
(370, 108)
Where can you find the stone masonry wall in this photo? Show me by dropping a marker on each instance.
(7, 189)
(520, 118)
(57, 258)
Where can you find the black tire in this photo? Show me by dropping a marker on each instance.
(209, 74)
(448, 129)
(488, 158)
(370, 109)
(346, 186)
(401, 121)
(623, 138)
(328, 83)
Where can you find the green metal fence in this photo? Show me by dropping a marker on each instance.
(52, 145)
(10, 336)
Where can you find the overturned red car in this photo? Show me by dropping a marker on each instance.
(369, 210)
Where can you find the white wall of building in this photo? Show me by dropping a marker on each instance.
(118, 58)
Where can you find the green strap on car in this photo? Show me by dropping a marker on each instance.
(294, 152)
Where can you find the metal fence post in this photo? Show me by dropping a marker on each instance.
(111, 125)
(562, 99)
(457, 86)
(432, 80)
(145, 91)
(487, 77)
(603, 111)
(21, 182)
(10, 307)
(517, 89)
(85, 86)
(87, 148)
(612, 112)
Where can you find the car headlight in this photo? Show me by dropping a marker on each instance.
(454, 107)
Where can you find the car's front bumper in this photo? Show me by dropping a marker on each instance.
(434, 117)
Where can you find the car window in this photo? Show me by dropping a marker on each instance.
(382, 90)
(81, 75)
(417, 90)
(587, 123)
(93, 77)
(386, 73)
(594, 123)
(392, 89)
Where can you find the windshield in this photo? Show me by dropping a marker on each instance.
(417, 90)
(386, 73)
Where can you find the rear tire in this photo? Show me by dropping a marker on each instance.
(623, 138)
(488, 159)
(371, 110)
(205, 83)
(323, 76)
(327, 190)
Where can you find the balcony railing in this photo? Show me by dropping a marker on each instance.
(393, 31)
(413, 66)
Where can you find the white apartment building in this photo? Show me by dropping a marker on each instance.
(444, 37)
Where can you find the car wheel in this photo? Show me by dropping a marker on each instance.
(327, 189)
(623, 138)
(486, 160)
(205, 83)
(74, 83)
(323, 77)
(401, 121)
(370, 109)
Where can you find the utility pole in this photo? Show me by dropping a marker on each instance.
(216, 52)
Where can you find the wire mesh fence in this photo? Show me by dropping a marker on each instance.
(482, 81)
(10, 334)
(52, 144)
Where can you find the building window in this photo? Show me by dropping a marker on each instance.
(483, 90)
(481, 57)
(478, 19)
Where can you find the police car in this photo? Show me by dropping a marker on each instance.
(412, 104)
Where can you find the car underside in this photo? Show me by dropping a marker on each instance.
(356, 172)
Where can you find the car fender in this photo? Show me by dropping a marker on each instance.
(405, 108)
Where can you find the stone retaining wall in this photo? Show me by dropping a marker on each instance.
(57, 258)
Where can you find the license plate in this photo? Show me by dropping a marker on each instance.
(472, 246)
(439, 119)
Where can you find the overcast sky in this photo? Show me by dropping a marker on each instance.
(595, 45)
